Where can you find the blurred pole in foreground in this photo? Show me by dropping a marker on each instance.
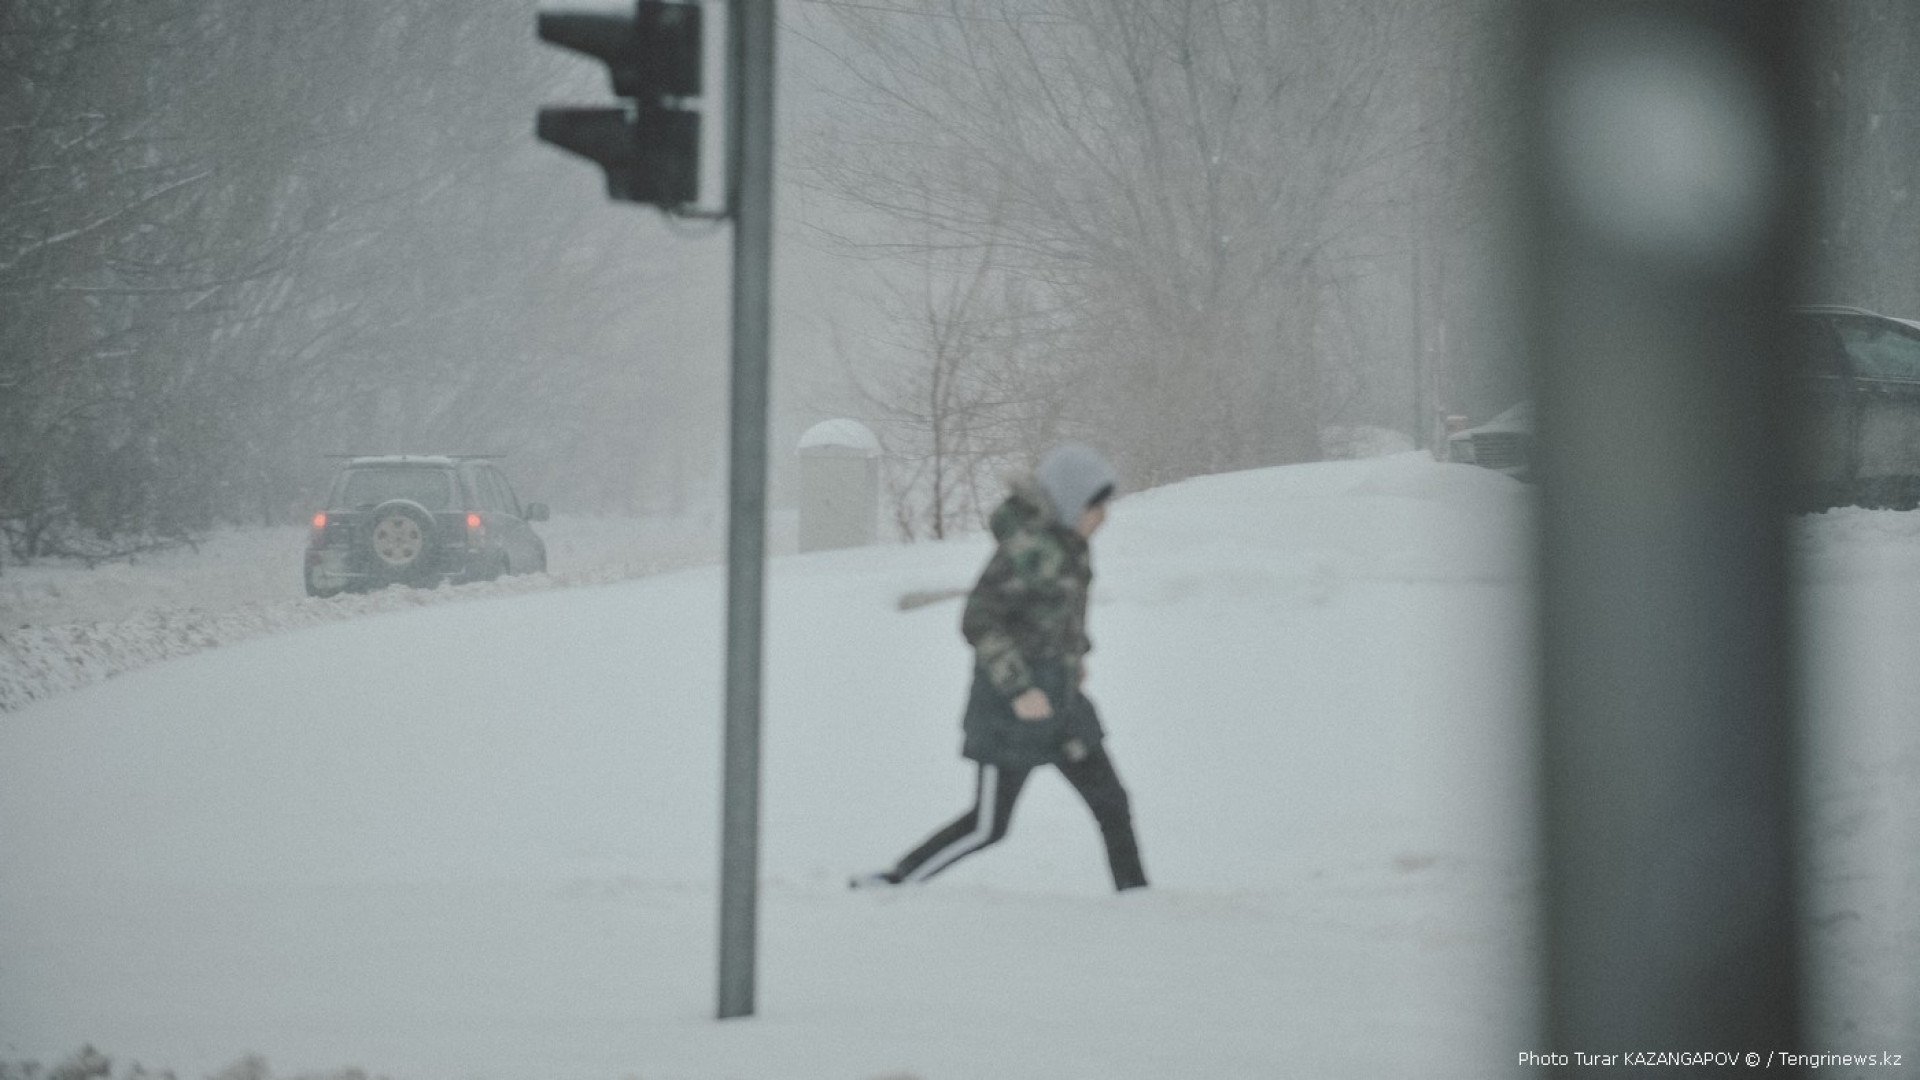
(750, 200)
(1667, 200)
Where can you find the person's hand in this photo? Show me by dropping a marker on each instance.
(1032, 704)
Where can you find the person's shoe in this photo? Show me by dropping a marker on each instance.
(872, 881)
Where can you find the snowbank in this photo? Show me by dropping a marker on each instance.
(63, 627)
(480, 839)
(37, 662)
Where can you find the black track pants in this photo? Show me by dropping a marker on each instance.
(996, 790)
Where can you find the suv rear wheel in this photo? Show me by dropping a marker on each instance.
(319, 591)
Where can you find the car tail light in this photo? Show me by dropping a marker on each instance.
(476, 528)
(319, 534)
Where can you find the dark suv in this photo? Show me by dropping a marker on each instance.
(420, 521)
(1861, 378)
(1857, 389)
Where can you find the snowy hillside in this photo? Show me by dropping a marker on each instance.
(64, 625)
(480, 839)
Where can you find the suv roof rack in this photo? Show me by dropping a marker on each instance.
(1847, 309)
(416, 457)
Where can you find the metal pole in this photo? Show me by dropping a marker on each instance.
(1666, 202)
(1421, 425)
(1416, 286)
(750, 199)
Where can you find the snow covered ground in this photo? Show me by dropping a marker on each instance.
(63, 625)
(480, 839)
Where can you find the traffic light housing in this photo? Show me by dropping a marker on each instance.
(649, 148)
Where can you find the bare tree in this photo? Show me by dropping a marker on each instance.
(956, 406)
(1166, 175)
(224, 252)
(90, 285)
(1865, 87)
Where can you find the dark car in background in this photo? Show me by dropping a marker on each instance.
(1861, 375)
(1503, 444)
(1857, 380)
(420, 520)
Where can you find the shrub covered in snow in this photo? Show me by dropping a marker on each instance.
(88, 1063)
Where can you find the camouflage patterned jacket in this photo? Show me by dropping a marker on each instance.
(1029, 608)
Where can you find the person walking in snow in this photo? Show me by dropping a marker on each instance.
(1026, 620)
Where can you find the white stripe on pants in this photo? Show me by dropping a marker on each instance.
(983, 808)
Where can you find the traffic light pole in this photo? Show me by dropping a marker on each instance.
(750, 33)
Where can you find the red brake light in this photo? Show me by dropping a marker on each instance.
(473, 522)
(319, 521)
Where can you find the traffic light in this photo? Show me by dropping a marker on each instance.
(650, 147)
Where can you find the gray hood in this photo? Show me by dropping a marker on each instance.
(1071, 475)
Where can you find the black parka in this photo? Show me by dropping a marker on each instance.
(1026, 619)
